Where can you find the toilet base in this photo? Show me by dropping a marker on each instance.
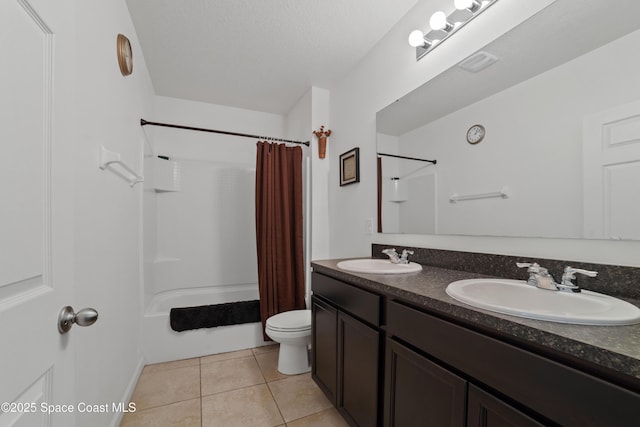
(292, 329)
(293, 359)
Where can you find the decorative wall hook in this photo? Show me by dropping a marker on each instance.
(322, 140)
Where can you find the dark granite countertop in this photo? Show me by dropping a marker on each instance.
(614, 348)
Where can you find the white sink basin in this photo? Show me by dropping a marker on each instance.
(517, 298)
(378, 266)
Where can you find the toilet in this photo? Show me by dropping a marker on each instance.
(292, 329)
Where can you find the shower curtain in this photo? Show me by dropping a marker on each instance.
(279, 235)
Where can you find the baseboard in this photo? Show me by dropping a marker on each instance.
(128, 392)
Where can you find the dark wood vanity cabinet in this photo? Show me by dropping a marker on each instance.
(346, 346)
(537, 390)
(418, 368)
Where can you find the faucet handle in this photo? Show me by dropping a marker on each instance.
(531, 267)
(525, 264)
(405, 256)
(570, 273)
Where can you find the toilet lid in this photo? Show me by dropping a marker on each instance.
(294, 320)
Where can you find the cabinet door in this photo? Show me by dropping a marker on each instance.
(486, 410)
(358, 369)
(420, 392)
(323, 347)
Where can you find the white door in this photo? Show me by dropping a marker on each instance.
(36, 222)
(611, 170)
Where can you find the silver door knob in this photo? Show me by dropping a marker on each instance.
(66, 319)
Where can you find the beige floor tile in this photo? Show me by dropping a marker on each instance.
(266, 348)
(268, 363)
(181, 414)
(172, 365)
(298, 396)
(250, 406)
(226, 356)
(166, 386)
(230, 374)
(326, 418)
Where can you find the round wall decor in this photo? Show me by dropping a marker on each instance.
(125, 55)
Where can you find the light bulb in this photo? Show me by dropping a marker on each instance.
(416, 38)
(472, 5)
(438, 21)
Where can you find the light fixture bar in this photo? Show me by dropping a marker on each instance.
(475, 8)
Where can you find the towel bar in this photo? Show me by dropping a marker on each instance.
(503, 194)
(108, 158)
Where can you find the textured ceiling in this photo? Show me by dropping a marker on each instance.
(256, 54)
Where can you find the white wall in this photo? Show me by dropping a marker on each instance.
(320, 116)
(539, 125)
(308, 114)
(384, 75)
(107, 210)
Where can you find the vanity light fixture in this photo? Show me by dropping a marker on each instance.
(444, 26)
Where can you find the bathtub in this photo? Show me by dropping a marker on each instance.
(162, 344)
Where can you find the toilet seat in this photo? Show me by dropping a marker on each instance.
(290, 321)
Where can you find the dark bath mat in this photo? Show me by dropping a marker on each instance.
(210, 316)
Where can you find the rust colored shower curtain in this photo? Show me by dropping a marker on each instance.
(279, 235)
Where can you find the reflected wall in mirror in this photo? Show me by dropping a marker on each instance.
(561, 109)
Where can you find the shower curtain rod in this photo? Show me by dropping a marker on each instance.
(144, 122)
(408, 158)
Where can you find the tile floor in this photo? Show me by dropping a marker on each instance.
(241, 388)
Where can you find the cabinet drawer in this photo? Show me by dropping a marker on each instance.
(565, 395)
(358, 302)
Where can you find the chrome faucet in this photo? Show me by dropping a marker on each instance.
(541, 278)
(392, 254)
(395, 258)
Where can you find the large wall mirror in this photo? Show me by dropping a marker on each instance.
(559, 101)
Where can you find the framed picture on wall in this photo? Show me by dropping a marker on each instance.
(350, 167)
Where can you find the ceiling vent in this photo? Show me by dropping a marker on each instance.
(478, 62)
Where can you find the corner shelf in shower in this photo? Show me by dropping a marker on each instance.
(166, 177)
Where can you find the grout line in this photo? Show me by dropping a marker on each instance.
(276, 402)
(259, 367)
(236, 388)
(201, 405)
(166, 404)
(270, 391)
